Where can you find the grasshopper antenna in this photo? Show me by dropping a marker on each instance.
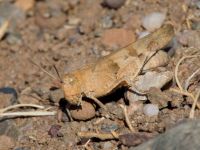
(57, 73)
(52, 76)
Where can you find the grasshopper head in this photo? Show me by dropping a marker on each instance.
(71, 88)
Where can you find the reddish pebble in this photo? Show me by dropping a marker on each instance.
(54, 131)
(86, 112)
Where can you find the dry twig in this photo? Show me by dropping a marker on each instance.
(126, 117)
(101, 136)
(21, 105)
(194, 104)
(3, 29)
(28, 114)
(185, 91)
(187, 82)
(4, 113)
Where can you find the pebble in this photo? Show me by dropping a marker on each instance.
(86, 112)
(182, 136)
(107, 22)
(8, 96)
(107, 146)
(147, 81)
(196, 25)
(49, 17)
(135, 106)
(25, 4)
(109, 128)
(117, 37)
(54, 131)
(151, 110)
(113, 4)
(14, 38)
(105, 53)
(153, 21)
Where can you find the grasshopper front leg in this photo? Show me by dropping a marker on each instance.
(90, 96)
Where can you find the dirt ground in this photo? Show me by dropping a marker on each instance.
(70, 34)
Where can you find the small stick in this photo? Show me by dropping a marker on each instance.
(187, 82)
(177, 67)
(28, 114)
(126, 117)
(4, 28)
(182, 92)
(115, 134)
(99, 120)
(20, 105)
(86, 145)
(186, 93)
(101, 136)
(194, 104)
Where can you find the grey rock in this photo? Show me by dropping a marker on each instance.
(107, 146)
(184, 136)
(107, 22)
(113, 4)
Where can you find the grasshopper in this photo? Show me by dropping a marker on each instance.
(116, 70)
(119, 69)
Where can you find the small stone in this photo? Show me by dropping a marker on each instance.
(6, 142)
(113, 4)
(156, 96)
(54, 131)
(117, 37)
(133, 139)
(14, 38)
(151, 110)
(25, 4)
(135, 106)
(49, 17)
(107, 22)
(196, 25)
(73, 21)
(8, 96)
(147, 81)
(105, 53)
(107, 146)
(109, 127)
(86, 111)
(153, 21)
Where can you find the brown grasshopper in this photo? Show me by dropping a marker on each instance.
(118, 69)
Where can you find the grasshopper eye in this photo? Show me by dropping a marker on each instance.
(70, 79)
